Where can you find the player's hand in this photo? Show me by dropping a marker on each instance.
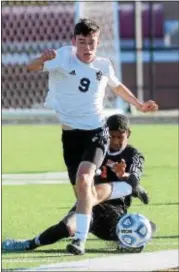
(148, 106)
(48, 54)
(119, 168)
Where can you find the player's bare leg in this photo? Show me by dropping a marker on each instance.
(85, 195)
(85, 202)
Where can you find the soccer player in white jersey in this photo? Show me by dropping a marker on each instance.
(77, 83)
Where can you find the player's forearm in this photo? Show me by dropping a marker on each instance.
(137, 166)
(137, 173)
(35, 65)
(134, 178)
(127, 95)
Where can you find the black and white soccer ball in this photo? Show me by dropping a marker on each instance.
(134, 230)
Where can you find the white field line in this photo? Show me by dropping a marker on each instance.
(33, 182)
(148, 261)
(30, 179)
(40, 176)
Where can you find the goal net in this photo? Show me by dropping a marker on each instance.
(30, 27)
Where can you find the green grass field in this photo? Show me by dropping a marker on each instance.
(27, 210)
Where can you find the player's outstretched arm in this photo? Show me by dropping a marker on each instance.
(148, 106)
(38, 63)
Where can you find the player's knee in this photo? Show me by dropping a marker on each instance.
(83, 182)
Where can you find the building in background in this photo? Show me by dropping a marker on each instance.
(28, 28)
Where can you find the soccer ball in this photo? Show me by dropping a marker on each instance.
(134, 230)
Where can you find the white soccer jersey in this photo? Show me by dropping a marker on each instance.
(77, 90)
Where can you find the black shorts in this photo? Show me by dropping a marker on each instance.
(104, 221)
(82, 145)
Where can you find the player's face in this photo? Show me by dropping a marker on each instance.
(86, 46)
(118, 140)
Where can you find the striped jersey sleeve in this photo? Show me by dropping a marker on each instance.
(137, 165)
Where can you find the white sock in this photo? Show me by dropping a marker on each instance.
(82, 226)
(120, 189)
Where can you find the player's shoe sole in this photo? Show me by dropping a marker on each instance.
(130, 249)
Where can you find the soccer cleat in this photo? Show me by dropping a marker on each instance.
(77, 247)
(15, 245)
(123, 249)
(141, 193)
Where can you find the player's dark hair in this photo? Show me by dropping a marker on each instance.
(85, 27)
(118, 122)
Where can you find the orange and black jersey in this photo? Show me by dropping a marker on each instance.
(134, 161)
(135, 164)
